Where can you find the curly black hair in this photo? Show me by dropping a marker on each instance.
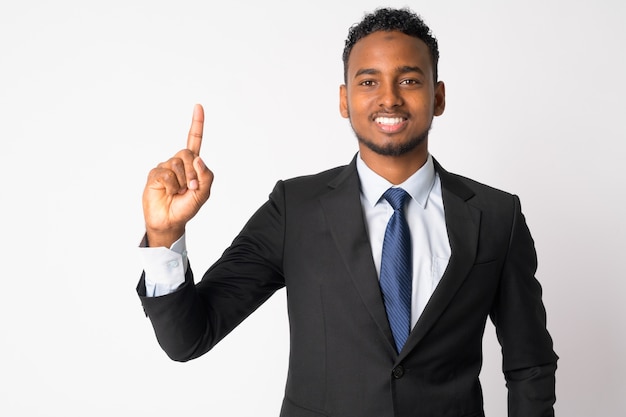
(387, 19)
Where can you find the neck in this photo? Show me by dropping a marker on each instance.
(395, 169)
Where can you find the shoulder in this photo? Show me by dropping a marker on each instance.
(479, 187)
(476, 193)
(311, 186)
(307, 191)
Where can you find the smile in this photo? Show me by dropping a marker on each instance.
(390, 124)
(389, 121)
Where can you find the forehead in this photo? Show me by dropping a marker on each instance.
(389, 49)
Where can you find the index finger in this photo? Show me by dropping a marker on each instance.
(194, 139)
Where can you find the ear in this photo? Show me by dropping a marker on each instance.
(343, 101)
(440, 98)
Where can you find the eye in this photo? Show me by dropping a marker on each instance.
(367, 83)
(411, 81)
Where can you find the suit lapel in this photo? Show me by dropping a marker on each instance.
(342, 208)
(462, 224)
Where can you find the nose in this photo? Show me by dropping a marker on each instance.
(390, 95)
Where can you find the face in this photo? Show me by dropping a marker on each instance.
(390, 96)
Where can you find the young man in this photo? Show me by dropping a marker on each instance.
(392, 265)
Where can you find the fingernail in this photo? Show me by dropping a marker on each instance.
(193, 184)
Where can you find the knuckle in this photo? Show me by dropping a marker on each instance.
(177, 165)
(157, 171)
(162, 173)
(184, 154)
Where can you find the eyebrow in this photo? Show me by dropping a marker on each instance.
(400, 70)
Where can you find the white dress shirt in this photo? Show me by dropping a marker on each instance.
(165, 268)
(424, 214)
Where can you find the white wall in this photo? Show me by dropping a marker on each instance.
(93, 94)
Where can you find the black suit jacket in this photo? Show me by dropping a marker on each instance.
(310, 237)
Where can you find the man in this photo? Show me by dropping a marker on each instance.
(392, 265)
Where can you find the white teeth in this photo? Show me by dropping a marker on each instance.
(389, 120)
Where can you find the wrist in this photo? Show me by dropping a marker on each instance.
(163, 238)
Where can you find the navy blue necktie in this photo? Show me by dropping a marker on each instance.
(396, 272)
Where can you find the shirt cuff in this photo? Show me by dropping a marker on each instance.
(164, 268)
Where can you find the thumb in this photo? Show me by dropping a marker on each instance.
(205, 178)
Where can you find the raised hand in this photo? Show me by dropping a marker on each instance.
(177, 188)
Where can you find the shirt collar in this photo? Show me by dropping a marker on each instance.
(418, 185)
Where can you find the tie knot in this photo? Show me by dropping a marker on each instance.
(396, 197)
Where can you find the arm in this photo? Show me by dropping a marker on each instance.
(529, 362)
(175, 191)
(193, 319)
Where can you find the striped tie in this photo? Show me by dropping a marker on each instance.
(396, 268)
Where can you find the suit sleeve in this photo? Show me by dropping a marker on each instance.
(193, 319)
(529, 361)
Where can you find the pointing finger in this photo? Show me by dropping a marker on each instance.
(194, 139)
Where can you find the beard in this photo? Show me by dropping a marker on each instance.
(393, 149)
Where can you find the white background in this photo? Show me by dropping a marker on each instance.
(93, 94)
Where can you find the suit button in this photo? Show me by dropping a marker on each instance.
(398, 372)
